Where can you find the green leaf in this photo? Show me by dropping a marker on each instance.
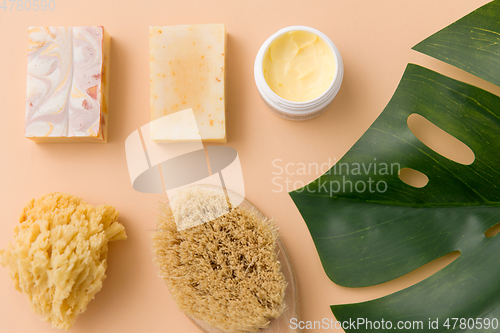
(471, 43)
(368, 237)
(370, 227)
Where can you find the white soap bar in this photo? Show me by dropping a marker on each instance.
(187, 70)
(67, 87)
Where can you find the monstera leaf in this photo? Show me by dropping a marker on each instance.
(370, 227)
(471, 43)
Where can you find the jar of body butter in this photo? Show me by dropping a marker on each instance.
(298, 72)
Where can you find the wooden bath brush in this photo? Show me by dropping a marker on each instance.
(229, 273)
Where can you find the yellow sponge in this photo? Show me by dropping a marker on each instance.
(224, 272)
(58, 256)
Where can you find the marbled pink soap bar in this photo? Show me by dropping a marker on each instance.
(67, 84)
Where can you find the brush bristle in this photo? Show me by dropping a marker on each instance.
(224, 272)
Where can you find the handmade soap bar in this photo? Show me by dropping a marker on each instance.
(66, 95)
(187, 70)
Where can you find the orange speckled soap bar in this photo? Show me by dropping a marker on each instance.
(187, 70)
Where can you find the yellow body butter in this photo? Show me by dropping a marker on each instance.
(299, 66)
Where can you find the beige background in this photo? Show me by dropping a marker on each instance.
(375, 38)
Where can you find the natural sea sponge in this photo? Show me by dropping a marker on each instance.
(58, 256)
(224, 272)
